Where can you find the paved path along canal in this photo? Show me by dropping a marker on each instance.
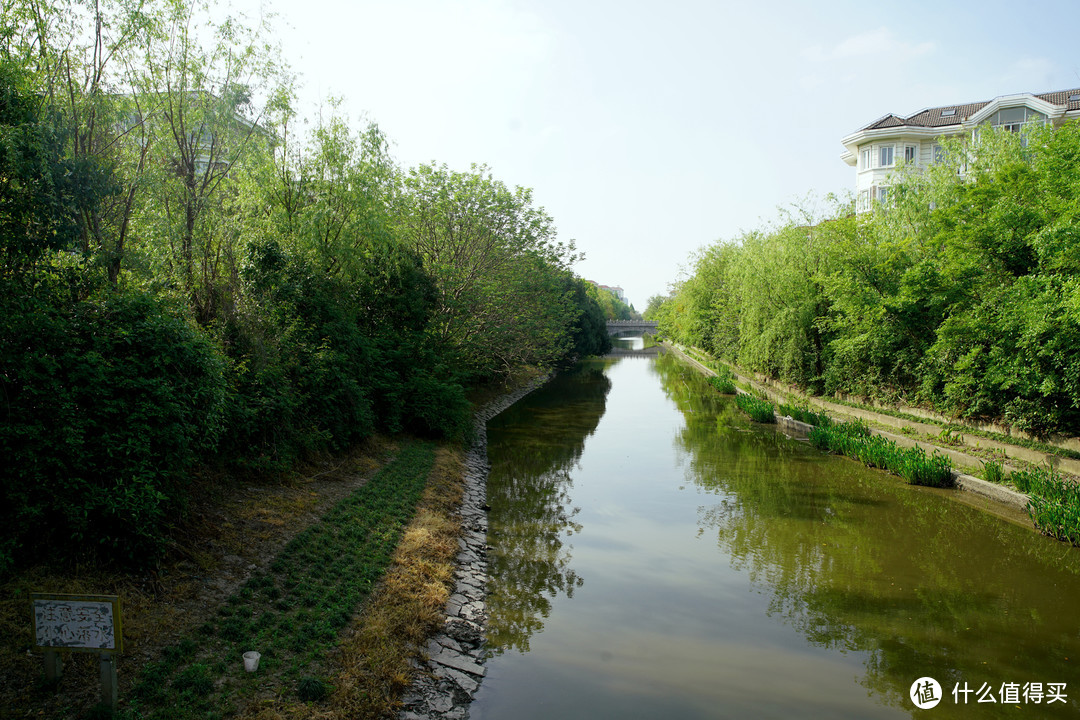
(656, 555)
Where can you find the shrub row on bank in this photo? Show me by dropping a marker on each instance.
(958, 294)
(759, 410)
(164, 313)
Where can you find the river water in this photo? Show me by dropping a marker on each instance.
(657, 555)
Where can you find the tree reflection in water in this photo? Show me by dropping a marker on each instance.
(532, 448)
(859, 561)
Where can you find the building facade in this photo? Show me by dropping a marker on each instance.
(877, 150)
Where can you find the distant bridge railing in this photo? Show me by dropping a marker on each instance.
(615, 327)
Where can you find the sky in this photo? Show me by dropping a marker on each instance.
(649, 130)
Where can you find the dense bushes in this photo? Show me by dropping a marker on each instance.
(724, 383)
(805, 415)
(172, 298)
(963, 295)
(106, 403)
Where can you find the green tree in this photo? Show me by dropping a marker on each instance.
(497, 263)
(200, 110)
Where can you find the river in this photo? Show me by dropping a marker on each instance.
(654, 554)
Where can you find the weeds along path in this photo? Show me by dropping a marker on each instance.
(291, 612)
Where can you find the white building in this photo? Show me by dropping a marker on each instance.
(878, 149)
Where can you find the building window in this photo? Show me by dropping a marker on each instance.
(863, 203)
(911, 153)
(867, 154)
(939, 154)
(883, 195)
(885, 156)
(1013, 119)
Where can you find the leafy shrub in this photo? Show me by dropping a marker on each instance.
(108, 402)
(1054, 502)
(918, 469)
(994, 471)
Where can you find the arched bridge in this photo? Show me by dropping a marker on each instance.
(620, 327)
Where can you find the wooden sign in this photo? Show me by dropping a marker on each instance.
(83, 623)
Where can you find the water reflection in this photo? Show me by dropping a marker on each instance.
(857, 561)
(532, 449)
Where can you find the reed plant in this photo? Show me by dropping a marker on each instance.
(804, 414)
(724, 382)
(994, 472)
(1053, 502)
(759, 410)
(855, 440)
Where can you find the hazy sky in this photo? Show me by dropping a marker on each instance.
(651, 129)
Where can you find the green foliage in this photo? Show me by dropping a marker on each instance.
(42, 190)
(108, 402)
(963, 295)
(803, 414)
(855, 440)
(994, 472)
(1054, 502)
(589, 334)
(502, 301)
(724, 383)
(759, 410)
(610, 305)
(182, 286)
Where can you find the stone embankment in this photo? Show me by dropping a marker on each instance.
(445, 684)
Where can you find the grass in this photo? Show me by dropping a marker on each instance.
(759, 410)
(293, 611)
(805, 414)
(374, 661)
(855, 440)
(951, 432)
(1054, 502)
(724, 382)
(993, 471)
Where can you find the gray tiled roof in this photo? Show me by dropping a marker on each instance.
(932, 117)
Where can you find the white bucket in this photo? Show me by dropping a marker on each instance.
(251, 661)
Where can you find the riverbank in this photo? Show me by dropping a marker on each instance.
(236, 575)
(968, 454)
(450, 673)
(217, 570)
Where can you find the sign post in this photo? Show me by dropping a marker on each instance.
(80, 623)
